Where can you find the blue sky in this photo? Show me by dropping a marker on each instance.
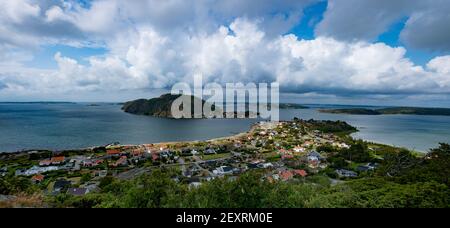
(325, 50)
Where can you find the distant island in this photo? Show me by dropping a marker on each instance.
(161, 106)
(391, 111)
(36, 102)
(292, 106)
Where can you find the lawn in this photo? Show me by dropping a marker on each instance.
(215, 156)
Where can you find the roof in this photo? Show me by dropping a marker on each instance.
(38, 177)
(61, 183)
(45, 162)
(301, 172)
(57, 159)
(314, 154)
(227, 168)
(77, 191)
(112, 152)
(286, 175)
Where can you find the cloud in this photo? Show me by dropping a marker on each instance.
(425, 27)
(154, 44)
(428, 28)
(361, 19)
(241, 52)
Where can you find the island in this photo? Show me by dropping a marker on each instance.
(391, 111)
(161, 106)
(157, 107)
(298, 163)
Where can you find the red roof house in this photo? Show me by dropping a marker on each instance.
(286, 175)
(301, 173)
(57, 160)
(37, 178)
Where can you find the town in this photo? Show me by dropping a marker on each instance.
(287, 151)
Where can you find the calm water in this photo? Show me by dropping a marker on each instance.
(69, 126)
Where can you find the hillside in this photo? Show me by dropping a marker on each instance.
(157, 107)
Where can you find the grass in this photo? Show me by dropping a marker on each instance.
(215, 156)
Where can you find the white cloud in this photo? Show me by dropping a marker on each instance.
(242, 52)
(17, 11)
(426, 24)
(154, 44)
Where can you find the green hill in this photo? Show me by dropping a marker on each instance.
(158, 107)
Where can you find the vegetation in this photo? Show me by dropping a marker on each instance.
(405, 188)
(403, 180)
(390, 111)
(158, 107)
(327, 126)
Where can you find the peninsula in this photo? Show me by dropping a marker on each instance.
(391, 111)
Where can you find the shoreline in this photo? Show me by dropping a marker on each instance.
(90, 148)
(212, 140)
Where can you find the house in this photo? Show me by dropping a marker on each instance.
(308, 143)
(57, 160)
(92, 163)
(265, 165)
(209, 151)
(186, 152)
(20, 172)
(286, 175)
(113, 152)
(45, 162)
(3, 171)
(286, 157)
(187, 173)
(100, 173)
(344, 145)
(121, 162)
(314, 156)
(301, 173)
(155, 156)
(252, 166)
(363, 168)
(61, 184)
(346, 173)
(314, 163)
(194, 152)
(372, 165)
(276, 177)
(223, 170)
(38, 178)
(194, 182)
(137, 153)
(67, 166)
(77, 191)
(299, 149)
(283, 151)
(368, 167)
(92, 186)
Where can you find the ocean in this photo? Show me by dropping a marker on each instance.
(60, 126)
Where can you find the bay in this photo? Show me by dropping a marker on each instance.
(58, 126)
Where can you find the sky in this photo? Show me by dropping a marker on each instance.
(337, 51)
